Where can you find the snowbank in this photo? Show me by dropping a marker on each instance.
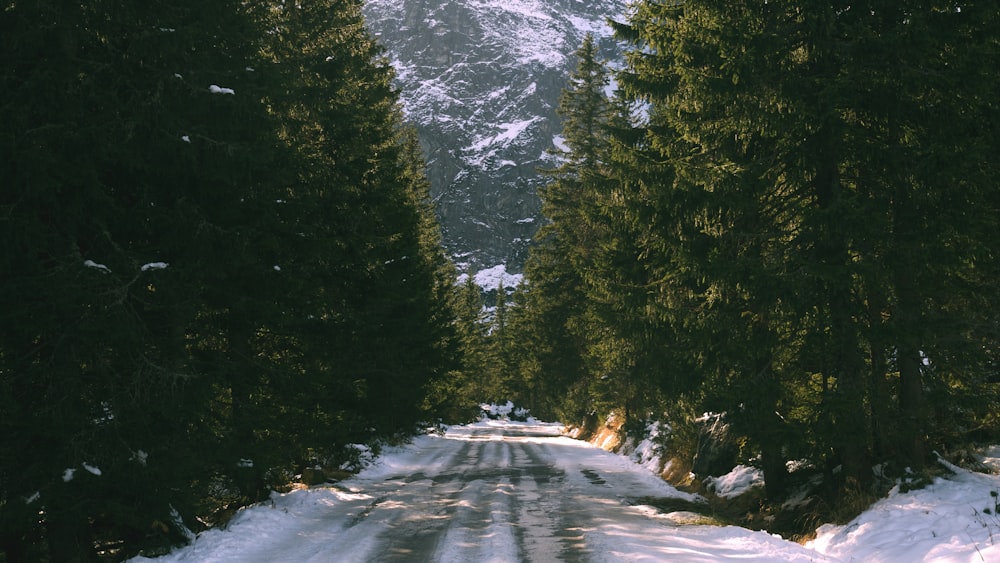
(506, 412)
(738, 481)
(491, 278)
(953, 519)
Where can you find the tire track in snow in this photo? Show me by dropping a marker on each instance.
(480, 495)
(545, 526)
(455, 510)
(429, 506)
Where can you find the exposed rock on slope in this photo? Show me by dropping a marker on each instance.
(481, 80)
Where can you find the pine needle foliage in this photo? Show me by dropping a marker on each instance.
(788, 220)
(219, 264)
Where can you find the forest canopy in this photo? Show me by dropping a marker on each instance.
(786, 213)
(219, 264)
(220, 267)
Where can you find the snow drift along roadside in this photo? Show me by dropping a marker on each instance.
(953, 519)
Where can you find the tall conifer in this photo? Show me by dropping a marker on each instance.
(786, 190)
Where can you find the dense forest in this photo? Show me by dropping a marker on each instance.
(220, 265)
(787, 212)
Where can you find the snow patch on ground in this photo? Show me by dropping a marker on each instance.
(361, 458)
(505, 411)
(991, 458)
(953, 519)
(491, 278)
(738, 481)
(647, 452)
(560, 143)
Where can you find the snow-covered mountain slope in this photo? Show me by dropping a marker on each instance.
(481, 81)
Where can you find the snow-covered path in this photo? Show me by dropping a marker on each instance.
(488, 492)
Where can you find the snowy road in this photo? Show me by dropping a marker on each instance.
(488, 492)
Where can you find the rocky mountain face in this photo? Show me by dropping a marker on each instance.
(481, 80)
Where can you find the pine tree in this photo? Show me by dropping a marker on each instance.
(925, 145)
(202, 281)
(547, 326)
(369, 244)
(455, 395)
(100, 114)
(785, 196)
(554, 315)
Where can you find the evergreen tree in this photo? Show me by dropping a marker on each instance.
(497, 377)
(555, 319)
(101, 125)
(548, 317)
(218, 260)
(784, 196)
(456, 395)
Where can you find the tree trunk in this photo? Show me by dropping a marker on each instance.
(767, 429)
(832, 247)
(881, 416)
(68, 533)
(775, 470)
(911, 386)
(241, 385)
(14, 547)
(906, 319)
